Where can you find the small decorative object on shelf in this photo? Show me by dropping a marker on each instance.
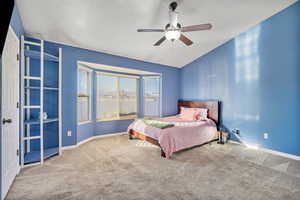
(45, 115)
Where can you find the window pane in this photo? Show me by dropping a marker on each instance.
(128, 97)
(84, 93)
(83, 109)
(107, 99)
(151, 96)
(83, 81)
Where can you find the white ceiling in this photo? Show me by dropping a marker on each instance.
(109, 26)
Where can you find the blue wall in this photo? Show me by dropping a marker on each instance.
(257, 77)
(170, 90)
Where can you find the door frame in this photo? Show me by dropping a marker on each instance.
(1, 126)
(1, 177)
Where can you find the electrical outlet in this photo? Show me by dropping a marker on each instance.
(236, 131)
(266, 135)
(69, 133)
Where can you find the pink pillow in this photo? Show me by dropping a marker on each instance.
(188, 114)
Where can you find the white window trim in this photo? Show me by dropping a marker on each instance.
(116, 119)
(85, 68)
(85, 122)
(158, 76)
(90, 91)
(118, 75)
(118, 95)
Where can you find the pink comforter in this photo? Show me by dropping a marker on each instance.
(184, 134)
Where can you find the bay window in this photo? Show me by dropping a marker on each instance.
(117, 96)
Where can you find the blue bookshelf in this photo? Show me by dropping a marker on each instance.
(35, 156)
(38, 88)
(37, 121)
(37, 55)
(41, 85)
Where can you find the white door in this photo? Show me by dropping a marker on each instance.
(10, 111)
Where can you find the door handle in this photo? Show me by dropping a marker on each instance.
(4, 121)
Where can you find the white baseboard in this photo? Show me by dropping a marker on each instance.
(91, 138)
(291, 156)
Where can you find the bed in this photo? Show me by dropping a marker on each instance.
(184, 134)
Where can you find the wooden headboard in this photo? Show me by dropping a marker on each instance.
(212, 106)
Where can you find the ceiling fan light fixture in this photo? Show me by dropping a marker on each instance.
(173, 30)
(172, 35)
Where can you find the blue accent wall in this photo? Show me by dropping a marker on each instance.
(256, 76)
(85, 131)
(170, 90)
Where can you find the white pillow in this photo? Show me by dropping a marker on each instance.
(202, 112)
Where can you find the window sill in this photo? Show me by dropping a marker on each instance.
(116, 119)
(84, 122)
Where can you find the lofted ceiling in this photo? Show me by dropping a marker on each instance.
(109, 26)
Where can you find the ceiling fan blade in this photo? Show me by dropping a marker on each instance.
(200, 27)
(185, 40)
(160, 41)
(150, 30)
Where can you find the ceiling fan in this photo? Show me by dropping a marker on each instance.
(173, 30)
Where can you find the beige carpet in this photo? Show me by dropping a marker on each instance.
(116, 168)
